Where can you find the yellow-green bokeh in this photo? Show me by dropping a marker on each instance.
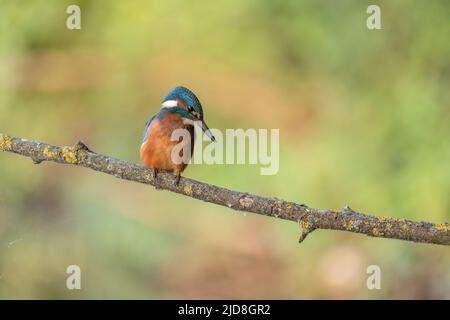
(363, 116)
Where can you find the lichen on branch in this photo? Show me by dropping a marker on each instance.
(308, 219)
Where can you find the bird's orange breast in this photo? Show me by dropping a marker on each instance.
(156, 151)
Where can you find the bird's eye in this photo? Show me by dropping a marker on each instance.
(190, 109)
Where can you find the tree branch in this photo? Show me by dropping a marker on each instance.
(309, 219)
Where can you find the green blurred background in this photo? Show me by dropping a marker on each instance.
(364, 120)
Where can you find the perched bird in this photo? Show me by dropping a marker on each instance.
(180, 109)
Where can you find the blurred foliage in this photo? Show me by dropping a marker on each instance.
(363, 116)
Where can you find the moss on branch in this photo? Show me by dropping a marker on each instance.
(309, 219)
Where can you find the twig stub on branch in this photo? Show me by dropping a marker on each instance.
(309, 219)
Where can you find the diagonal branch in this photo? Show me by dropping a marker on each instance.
(308, 219)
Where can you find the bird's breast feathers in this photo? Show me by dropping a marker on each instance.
(156, 150)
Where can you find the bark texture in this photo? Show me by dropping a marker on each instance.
(309, 219)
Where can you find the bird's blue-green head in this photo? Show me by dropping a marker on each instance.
(186, 103)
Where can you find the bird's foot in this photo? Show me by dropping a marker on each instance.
(154, 176)
(177, 179)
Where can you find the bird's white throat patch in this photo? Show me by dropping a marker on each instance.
(188, 121)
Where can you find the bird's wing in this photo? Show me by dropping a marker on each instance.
(146, 127)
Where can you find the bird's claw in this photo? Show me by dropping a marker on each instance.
(154, 176)
(177, 179)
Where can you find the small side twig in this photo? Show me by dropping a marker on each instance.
(308, 218)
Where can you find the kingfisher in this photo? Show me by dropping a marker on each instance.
(180, 109)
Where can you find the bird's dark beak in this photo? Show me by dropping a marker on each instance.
(207, 131)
